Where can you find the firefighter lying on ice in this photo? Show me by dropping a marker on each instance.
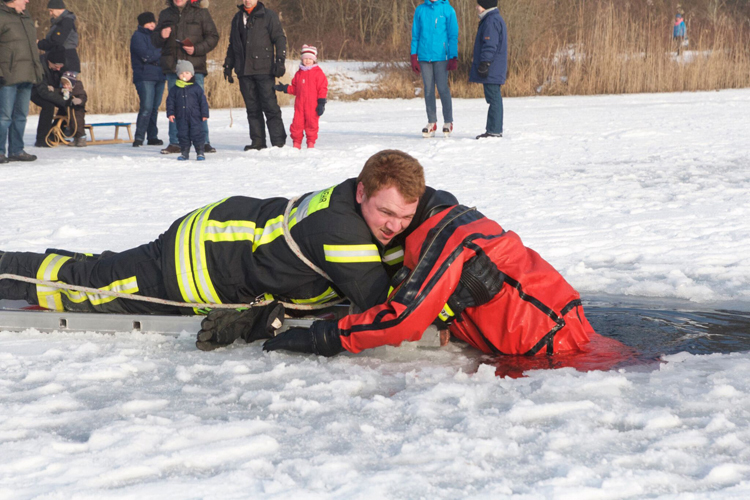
(235, 250)
(469, 274)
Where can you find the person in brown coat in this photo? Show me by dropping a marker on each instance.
(185, 31)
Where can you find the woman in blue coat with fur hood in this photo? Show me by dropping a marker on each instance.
(434, 52)
(490, 64)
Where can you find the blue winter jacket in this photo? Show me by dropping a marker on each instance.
(144, 57)
(188, 104)
(491, 44)
(678, 30)
(434, 32)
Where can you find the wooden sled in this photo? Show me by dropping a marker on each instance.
(94, 141)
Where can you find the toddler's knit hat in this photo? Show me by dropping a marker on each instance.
(310, 51)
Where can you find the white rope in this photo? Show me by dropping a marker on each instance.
(293, 244)
(154, 300)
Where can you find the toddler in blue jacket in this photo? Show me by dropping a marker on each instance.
(188, 107)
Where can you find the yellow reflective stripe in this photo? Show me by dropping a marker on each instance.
(351, 253)
(200, 265)
(182, 259)
(394, 256)
(48, 296)
(311, 203)
(231, 230)
(272, 230)
(446, 314)
(323, 297)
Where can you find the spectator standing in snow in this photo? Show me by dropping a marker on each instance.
(185, 31)
(187, 108)
(62, 35)
(490, 64)
(148, 79)
(257, 53)
(679, 32)
(310, 88)
(434, 52)
(20, 70)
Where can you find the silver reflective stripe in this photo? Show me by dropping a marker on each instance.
(394, 255)
(229, 230)
(184, 269)
(205, 287)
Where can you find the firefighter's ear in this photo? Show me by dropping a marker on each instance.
(360, 192)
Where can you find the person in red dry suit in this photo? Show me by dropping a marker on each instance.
(464, 272)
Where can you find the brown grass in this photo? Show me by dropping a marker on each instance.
(555, 48)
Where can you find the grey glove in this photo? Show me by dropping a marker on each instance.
(223, 326)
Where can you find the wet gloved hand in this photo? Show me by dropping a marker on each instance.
(321, 107)
(480, 281)
(223, 326)
(452, 64)
(322, 338)
(415, 64)
(484, 69)
(280, 68)
(228, 74)
(280, 87)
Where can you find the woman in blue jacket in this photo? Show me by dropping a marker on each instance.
(490, 64)
(434, 52)
(148, 79)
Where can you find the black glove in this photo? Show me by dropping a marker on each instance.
(321, 107)
(280, 68)
(322, 338)
(2, 81)
(223, 326)
(484, 69)
(228, 74)
(480, 281)
(280, 87)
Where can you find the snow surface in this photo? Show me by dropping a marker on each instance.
(641, 195)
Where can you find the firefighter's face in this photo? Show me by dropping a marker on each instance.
(385, 212)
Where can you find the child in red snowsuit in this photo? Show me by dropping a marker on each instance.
(310, 86)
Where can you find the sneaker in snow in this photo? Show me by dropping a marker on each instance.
(429, 130)
(447, 129)
(22, 156)
(137, 143)
(183, 157)
(155, 142)
(207, 148)
(172, 148)
(201, 158)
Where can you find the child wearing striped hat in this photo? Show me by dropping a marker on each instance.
(310, 88)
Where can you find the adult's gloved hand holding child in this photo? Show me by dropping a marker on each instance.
(280, 87)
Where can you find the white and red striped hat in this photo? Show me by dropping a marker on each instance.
(309, 51)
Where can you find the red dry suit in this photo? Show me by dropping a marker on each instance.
(308, 85)
(535, 311)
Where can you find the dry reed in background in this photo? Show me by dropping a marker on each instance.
(556, 48)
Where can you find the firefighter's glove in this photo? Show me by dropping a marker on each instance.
(484, 69)
(280, 87)
(480, 281)
(280, 68)
(223, 326)
(322, 338)
(321, 107)
(228, 74)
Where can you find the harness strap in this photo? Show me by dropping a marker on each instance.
(293, 244)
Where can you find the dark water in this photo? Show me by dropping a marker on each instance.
(636, 332)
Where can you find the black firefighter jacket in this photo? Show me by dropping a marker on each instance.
(258, 45)
(189, 23)
(234, 250)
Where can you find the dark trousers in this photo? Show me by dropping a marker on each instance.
(189, 132)
(137, 271)
(260, 99)
(150, 95)
(494, 98)
(46, 116)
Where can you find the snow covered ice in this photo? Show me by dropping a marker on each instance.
(633, 195)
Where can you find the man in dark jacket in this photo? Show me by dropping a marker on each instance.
(20, 70)
(257, 53)
(490, 64)
(185, 31)
(236, 249)
(62, 35)
(45, 96)
(148, 79)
